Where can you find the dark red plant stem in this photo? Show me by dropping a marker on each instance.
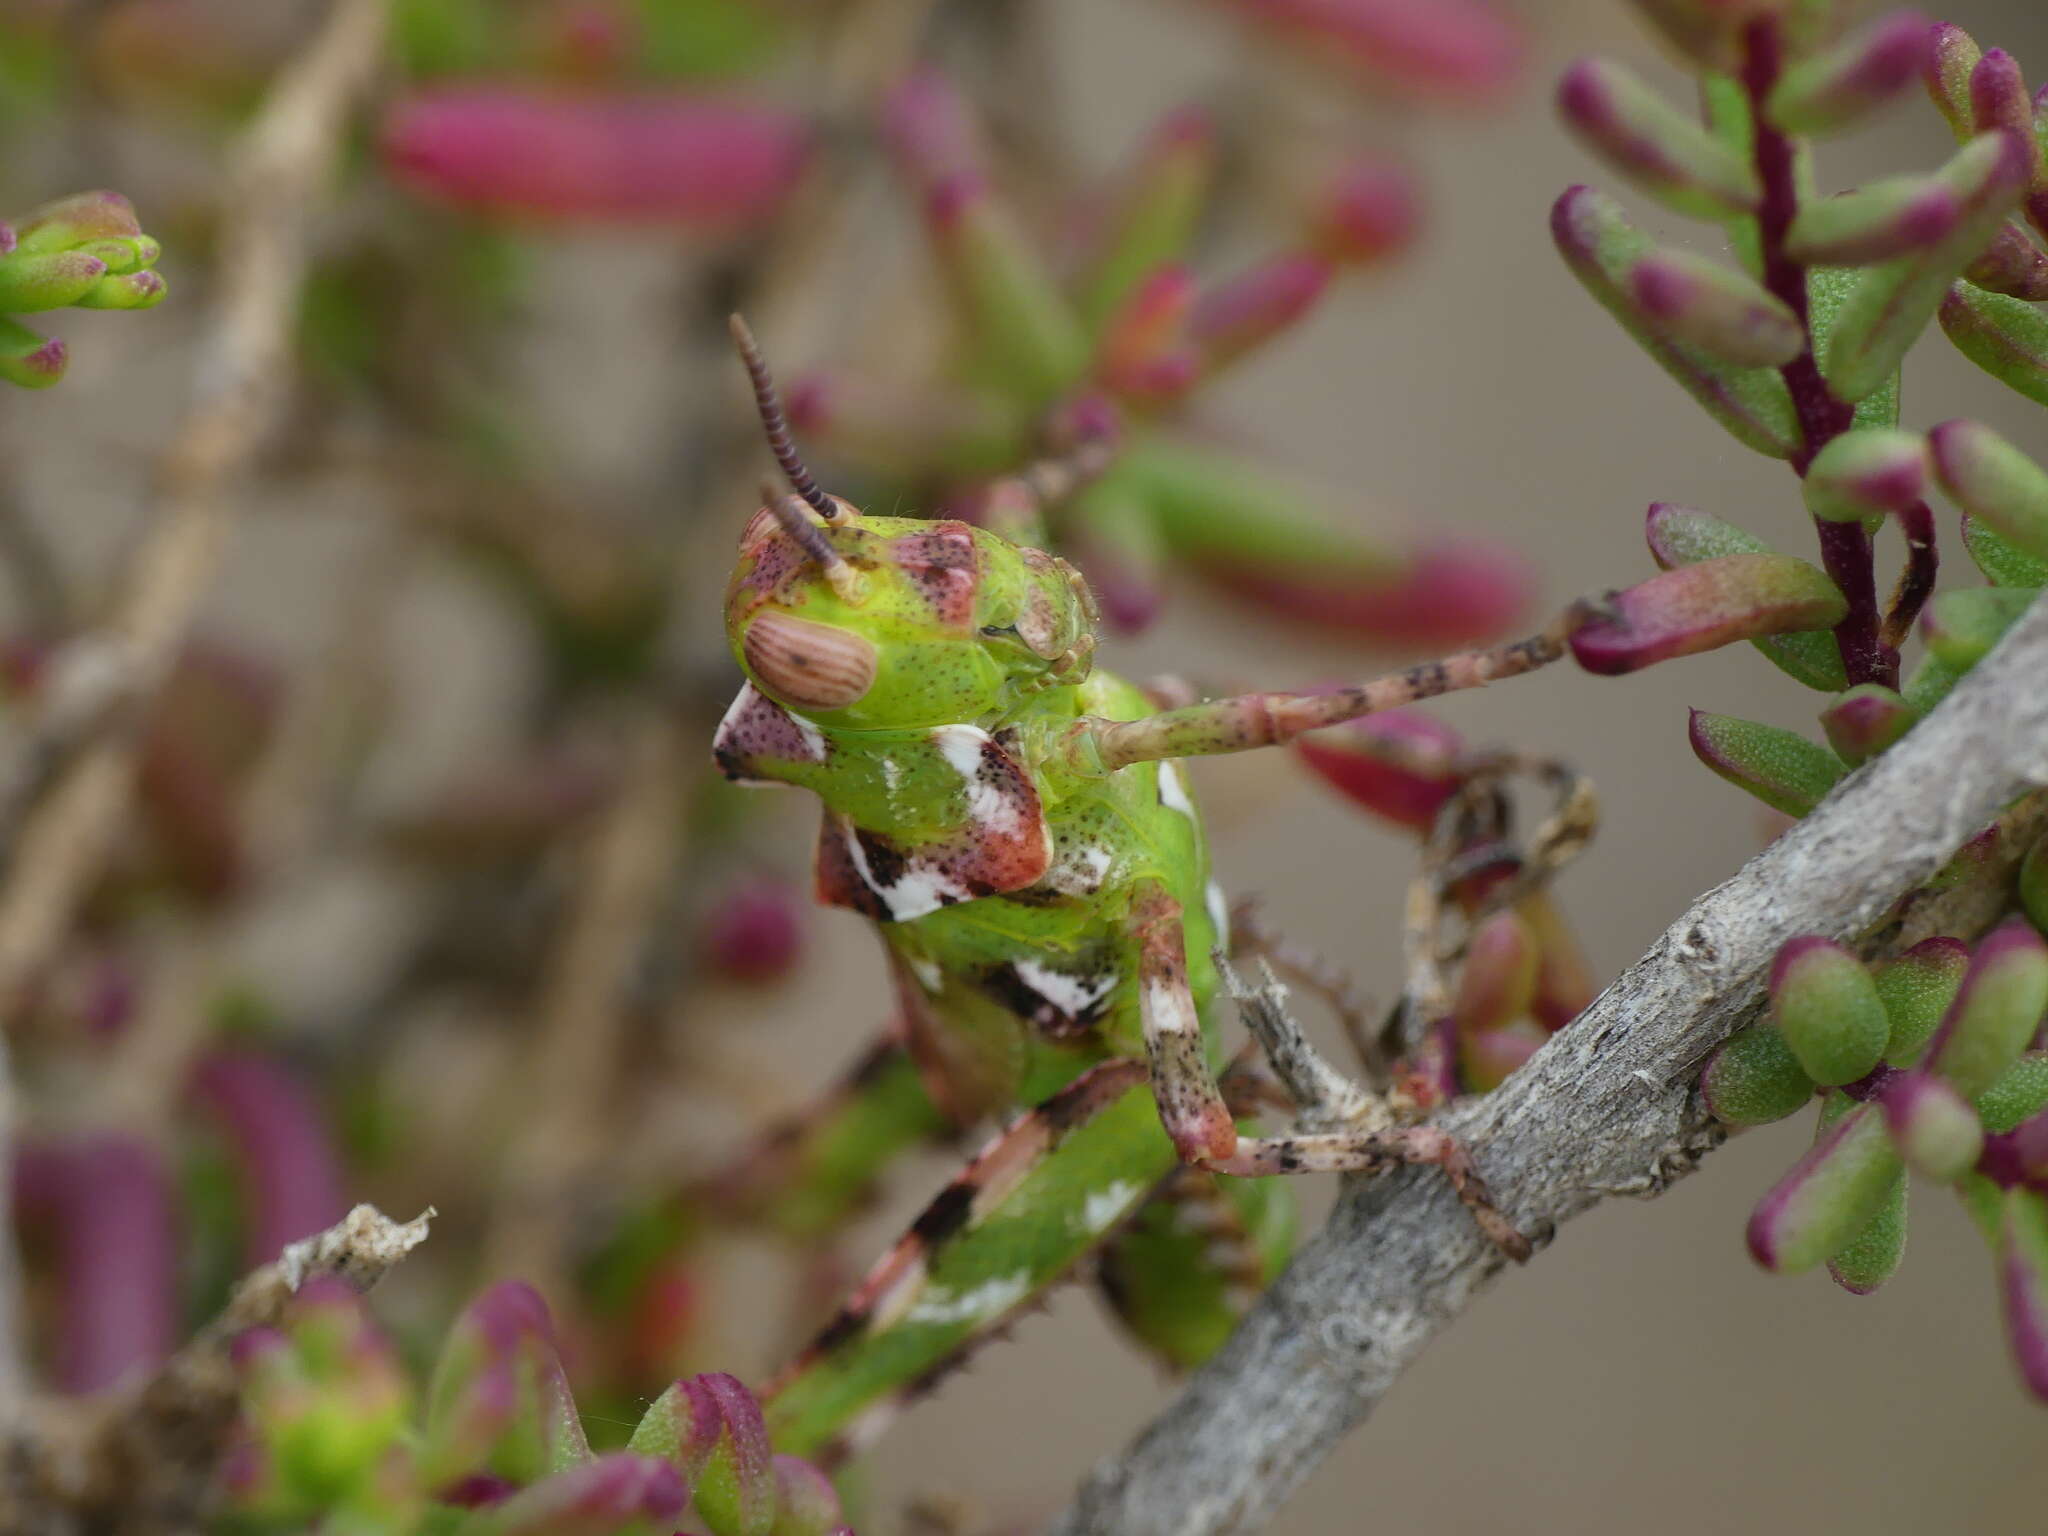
(2018, 1158)
(1916, 581)
(1844, 547)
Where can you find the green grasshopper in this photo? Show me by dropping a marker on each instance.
(1015, 823)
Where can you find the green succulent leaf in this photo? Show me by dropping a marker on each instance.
(1781, 768)
(1754, 1079)
(1680, 536)
(1891, 304)
(1872, 1256)
(1601, 247)
(1825, 1003)
(2006, 337)
(1962, 627)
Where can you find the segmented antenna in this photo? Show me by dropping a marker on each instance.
(810, 538)
(776, 425)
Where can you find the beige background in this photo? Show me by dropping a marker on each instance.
(1642, 1375)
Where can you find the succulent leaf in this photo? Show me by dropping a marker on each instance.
(1961, 627)
(1754, 1079)
(1866, 720)
(2023, 1284)
(1657, 147)
(2034, 884)
(1601, 247)
(2019, 1093)
(1994, 482)
(1917, 988)
(1399, 764)
(1703, 606)
(29, 360)
(1829, 1196)
(2006, 337)
(1780, 767)
(1933, 1126)
(1891, 304)
(2012, 264)
(1876, 222)
(499, 1401)
(1996, 1011)
(1872, 1256)
(1866, 472)
(1158, 201)
(1679, 536)
(1826, 1005)
(1946, 74)
(1838, 88)
(1724, 312)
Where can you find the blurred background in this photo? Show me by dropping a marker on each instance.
(486, 537)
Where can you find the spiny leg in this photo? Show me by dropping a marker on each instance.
(1199, 1124)
(1375, 1151)
(1190, 1104)
(1039, 1198)
(1095, 746)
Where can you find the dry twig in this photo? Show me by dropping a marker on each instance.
(1607, 1107)
(284, 157)
(142, 1460)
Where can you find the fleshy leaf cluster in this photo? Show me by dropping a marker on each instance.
(330, 1441)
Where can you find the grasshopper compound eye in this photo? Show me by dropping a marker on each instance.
(806, 664)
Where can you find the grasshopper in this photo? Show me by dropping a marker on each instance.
(1015, 822)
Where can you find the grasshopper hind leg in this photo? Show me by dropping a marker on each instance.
(1038, 1199)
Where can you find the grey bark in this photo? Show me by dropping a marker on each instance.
(1608, 1106)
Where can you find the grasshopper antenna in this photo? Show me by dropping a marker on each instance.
(776, 425)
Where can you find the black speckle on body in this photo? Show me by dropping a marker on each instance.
(945, 1216)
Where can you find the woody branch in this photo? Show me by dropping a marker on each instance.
(1607, 1107)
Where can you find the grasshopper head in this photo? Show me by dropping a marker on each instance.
(926, 622)
(894, 623)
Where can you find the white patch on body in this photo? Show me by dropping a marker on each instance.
(990, 1299)
(1106, 1206)
(1081, 872)
(927, 972)
(1168, 1011)
(987, 805)
(889, 1306)
(1173, 790)
(1219, 913)
(748, 698)
(960, 746)
(1072, 995)
(921, 889)
(813, 738)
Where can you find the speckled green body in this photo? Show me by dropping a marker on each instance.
(1023, 989)
(927, 704)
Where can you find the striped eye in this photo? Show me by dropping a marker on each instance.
(813, 666)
